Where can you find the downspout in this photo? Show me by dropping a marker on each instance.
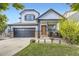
(10, 31)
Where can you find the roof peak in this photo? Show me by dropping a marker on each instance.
(29, 10)
(50, 9)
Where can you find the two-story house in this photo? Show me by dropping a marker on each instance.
(32, 24)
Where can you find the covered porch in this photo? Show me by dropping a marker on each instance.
(49, 23)
(49, 28)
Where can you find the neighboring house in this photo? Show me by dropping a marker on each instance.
(72, 15)
(32, 24)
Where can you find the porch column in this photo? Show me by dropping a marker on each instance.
(57, 27)
(47, 29)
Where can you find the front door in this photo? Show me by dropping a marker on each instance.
(43, 29)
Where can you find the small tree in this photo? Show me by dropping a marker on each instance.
(69, 29)
(3, 18)
(3, 22)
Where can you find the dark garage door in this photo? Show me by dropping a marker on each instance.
(24, 32)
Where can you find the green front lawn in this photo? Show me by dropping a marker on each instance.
(35, 49)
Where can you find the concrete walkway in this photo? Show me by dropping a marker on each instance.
(9, 46)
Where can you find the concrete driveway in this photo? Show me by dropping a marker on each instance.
(9, 46)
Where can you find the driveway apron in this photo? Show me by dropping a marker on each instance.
(11, 46)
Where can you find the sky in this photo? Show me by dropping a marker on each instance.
(13, 14)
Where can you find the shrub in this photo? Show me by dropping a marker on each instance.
(69, 29)
(32, 41)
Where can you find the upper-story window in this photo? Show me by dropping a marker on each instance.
(29, 17)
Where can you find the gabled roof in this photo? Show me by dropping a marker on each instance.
(29, 10)
(48, 11)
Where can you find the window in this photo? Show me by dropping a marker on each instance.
(51, 28)
(29, 17)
